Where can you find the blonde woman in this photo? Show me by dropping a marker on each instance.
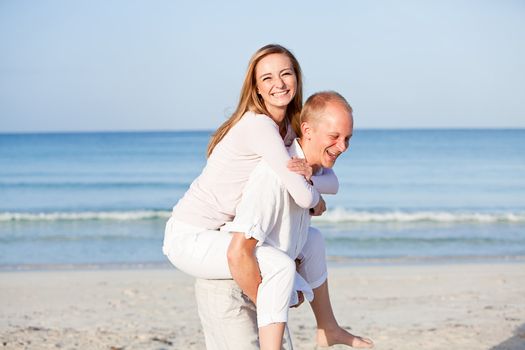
(270, 104)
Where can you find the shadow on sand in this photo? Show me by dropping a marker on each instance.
(517, 342)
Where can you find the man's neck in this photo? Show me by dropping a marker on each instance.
(315, 167)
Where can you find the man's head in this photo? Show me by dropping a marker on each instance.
(326, 128)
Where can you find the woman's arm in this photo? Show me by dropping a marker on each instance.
(243, 264)
(262, 137)
(325, 183)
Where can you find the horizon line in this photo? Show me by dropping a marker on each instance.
(155, 131)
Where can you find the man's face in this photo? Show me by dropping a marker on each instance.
(328, 137)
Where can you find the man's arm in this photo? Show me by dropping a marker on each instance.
(243, 264)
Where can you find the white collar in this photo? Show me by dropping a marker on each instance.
(295, 150)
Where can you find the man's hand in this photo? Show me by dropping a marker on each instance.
(319, 209)
(300, 296)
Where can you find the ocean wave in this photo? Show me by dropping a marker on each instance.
(352, 216)
(87, 215)
(331, 216)
(92, 185)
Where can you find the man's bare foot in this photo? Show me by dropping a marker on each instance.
(326, 337)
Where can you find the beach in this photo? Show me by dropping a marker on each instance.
(425, 240)
(401, 306)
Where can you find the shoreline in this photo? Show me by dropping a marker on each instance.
(333, 262)
(431, 307)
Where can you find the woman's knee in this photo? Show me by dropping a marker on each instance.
(315, 243)
(290, 268)
(312, 260)
(275, 263)
(286, 267)
(280, 278)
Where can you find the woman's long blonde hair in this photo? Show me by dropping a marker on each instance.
(251, 101)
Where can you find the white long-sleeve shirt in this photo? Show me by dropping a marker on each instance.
(268, 213)
(214, 195)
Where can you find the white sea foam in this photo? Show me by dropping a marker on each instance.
(332, 216)
(87, 215)
(342, 215)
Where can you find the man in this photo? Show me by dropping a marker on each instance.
(269, 227)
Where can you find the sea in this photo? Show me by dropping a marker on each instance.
(102, 199)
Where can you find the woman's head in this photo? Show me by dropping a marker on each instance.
(260, 96)
(273, 70)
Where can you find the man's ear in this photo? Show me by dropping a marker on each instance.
(306, 130)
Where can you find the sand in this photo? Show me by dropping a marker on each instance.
(439, 306)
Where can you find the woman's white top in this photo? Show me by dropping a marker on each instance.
(267, 212)
(213, 196)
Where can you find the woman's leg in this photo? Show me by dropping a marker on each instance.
(203, 254)
(312, 266)
(197, 251)
(328, 330)
(271, 336)
(273, 295)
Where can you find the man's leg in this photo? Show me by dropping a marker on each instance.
(228, 317)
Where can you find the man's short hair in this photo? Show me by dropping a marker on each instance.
(315, 105)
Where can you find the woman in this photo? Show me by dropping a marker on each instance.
(267, 113)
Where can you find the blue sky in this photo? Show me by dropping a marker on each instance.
(174, 65)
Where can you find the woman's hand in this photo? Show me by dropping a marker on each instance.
(301, 167)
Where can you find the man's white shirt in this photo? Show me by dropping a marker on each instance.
(269, 214)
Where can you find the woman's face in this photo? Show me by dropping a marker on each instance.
(276, 83)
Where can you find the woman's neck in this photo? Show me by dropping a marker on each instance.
(277, 114)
